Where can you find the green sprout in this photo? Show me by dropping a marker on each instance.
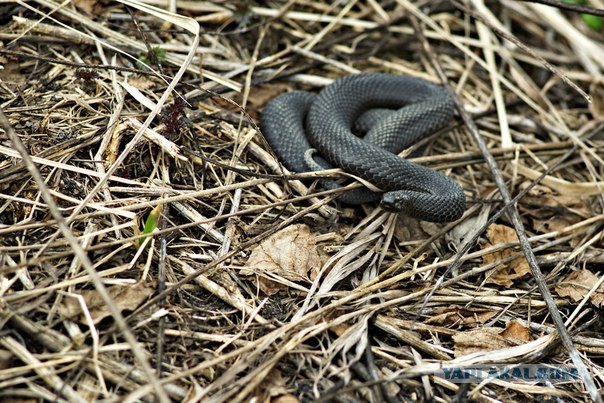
(150, 223)
(157, 55)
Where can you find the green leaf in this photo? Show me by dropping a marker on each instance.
(593, 21)
(151, 223)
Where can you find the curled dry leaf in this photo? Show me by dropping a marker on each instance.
(517, 268)
(290, 253)
(126, 297)
(516, 330)
(457, 315)
(491, 338)
(461, 234)
(569, 193)
(577, 284)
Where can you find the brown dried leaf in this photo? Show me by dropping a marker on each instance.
(113, 148)
(596, 92)
(10, 72)
(6, 359)
(261, 96)
(285, 398)
(515, 330)
(517, 268)
(340, 329)
(411, 229)
(555, 223)
(290, 253)
(273, 389)
(90, 7)
(141, 83)
(457, 315)
(577, 284)
(127, 297)
(544, 196)
(490, 338)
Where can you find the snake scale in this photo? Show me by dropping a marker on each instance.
(394, 112)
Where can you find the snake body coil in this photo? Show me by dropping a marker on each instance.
(297, 121)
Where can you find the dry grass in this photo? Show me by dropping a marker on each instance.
(343, 304)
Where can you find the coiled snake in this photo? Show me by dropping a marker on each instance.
(297, 121)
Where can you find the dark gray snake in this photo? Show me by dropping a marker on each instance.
(297, 121)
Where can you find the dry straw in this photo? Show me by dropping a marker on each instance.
(112, 112)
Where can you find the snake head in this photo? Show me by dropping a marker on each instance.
(396, 201)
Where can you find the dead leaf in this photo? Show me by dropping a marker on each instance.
(490, 338)
(90, 7)
(461, 234)
(541, 195)
(141, 83)
(339, 329)
(10, 72)
(577, 284)
(411, 229)
(515, 330)
(6, 359)
(596, 92)
(457, 315)
(290, 253)
(273, 389)
(285, 398)
(262, 95)
(517, 268)
(126, 297)
(555, 223)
